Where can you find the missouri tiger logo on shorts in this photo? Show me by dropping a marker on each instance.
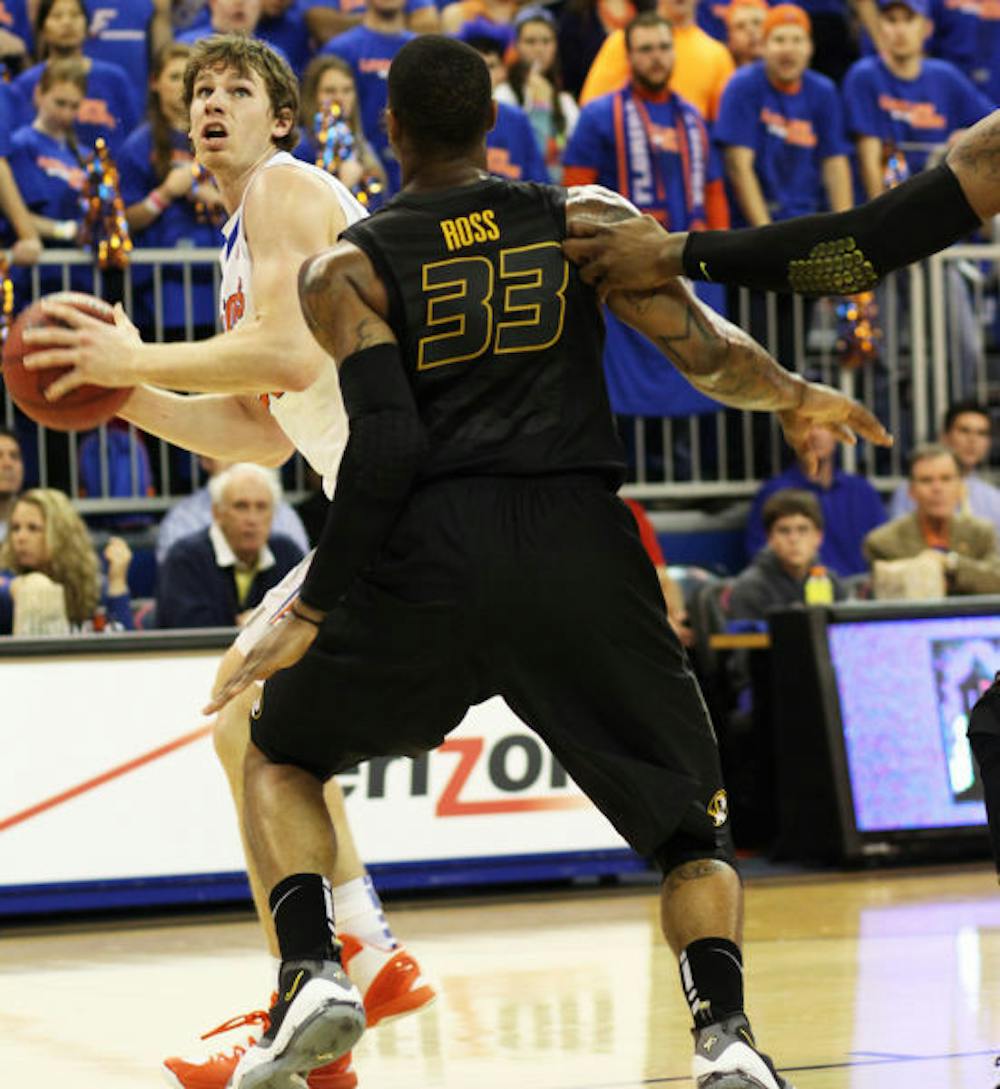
(718, 808)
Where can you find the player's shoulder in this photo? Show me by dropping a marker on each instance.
(597, 202)
(294, 188)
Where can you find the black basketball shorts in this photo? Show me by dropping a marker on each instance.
(536, 590)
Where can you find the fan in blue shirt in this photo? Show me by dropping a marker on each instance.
(49, 171)
(14, 20)
(110, 106)
(782, 131)
(903, 100)
(128, 33)
(369, 49)
(851, 508)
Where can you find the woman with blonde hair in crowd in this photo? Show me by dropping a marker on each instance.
(50, 577)
(329, 79)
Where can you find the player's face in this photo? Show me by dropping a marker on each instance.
(65, 26)
(746, 33)
(969, 438)
(904, 32)
(27, 536)
(58, 107)
(795, 540)
(651, 55)
(235, 16)
(337, 87)
(536, 44)
(231, 120)
(11, 466)
(244, 516)
(169, 86)
(787, 53)
(935, 486)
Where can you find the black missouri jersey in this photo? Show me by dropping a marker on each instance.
(502, 341)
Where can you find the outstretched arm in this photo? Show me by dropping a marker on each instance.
(720, 359)
(835, 253)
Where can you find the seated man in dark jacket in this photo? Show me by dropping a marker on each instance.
(216, 577)
(777, 575)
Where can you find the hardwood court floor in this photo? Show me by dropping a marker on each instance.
(856, 982)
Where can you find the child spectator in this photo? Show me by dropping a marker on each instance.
(777, 575)
(330, 79)
(47, 546)
(49, 170)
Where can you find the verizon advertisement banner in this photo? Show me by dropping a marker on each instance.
(108, 773)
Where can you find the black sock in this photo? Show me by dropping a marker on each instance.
(712, 978)
(302, 909)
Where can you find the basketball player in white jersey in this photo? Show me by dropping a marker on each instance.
(267, 388)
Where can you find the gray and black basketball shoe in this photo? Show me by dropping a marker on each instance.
(318, 1016)
(726, 1057)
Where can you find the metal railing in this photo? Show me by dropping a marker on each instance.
(933, 347)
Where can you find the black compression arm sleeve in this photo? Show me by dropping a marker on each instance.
(838, 253)
(385, 449)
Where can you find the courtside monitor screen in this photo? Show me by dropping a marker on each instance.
(906, 686)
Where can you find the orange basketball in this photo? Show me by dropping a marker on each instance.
(82, 408)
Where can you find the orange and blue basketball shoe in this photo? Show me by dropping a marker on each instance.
(392, 986)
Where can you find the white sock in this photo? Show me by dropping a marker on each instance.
(357, 910)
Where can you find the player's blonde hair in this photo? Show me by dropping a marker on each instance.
(71, 560)
(245, 55)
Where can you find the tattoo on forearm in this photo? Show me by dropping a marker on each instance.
(978, 152)
(716, 356)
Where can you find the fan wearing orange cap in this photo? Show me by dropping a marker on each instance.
(782, 138)
(781, 130)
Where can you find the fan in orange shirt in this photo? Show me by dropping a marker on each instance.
(702, 65)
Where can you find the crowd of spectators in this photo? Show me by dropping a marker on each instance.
(703, 114)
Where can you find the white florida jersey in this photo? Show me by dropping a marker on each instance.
(314, 418)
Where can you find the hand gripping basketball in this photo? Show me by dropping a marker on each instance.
(65, 362)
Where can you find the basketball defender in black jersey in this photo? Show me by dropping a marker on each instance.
(475, 547)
